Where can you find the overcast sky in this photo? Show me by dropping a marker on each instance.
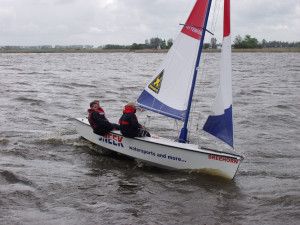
(100, 22)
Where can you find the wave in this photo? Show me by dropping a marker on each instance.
(83, 85)
(30, 100)
(6, 65)
(34, 73)
(55, 141)
(4, 141)
(260, 91)
(283, 106)
(11, 178)
(22, 83)
(15, 69)
(61, 85)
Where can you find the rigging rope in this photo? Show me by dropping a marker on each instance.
(202, 77)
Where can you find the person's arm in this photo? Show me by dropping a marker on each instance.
(134, 123)
(100, 119)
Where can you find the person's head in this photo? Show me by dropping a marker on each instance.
(132, 104)
(94, 105)
(97, 102)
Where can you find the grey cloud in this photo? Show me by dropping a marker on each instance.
(98, 22)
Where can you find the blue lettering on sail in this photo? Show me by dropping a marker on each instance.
(221, 126)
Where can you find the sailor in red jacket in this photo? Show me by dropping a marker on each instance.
(98, 121)
(129, 125)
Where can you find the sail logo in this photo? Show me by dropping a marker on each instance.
(112, 139)
(156, 83)
(192, 31)
(195, 30)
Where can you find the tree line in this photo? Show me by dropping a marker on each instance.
(152, 43)
(159, 43)
(251, 42)
(238, 43)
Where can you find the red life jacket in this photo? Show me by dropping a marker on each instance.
(128, 109)
(93, 125)
(101, 111)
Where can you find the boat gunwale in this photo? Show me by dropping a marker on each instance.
(203, 150)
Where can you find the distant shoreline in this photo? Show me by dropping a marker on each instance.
(271, 50)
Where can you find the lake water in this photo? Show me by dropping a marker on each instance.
(50, 175)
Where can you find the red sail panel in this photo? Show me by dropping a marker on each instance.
(195, 22)
(226, 28)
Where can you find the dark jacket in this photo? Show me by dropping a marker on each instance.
(129, 125)
(99, 123)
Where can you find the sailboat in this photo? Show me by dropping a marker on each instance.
(170, 93)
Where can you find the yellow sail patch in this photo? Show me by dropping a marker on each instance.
(156, 83)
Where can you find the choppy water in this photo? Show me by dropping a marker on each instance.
(49, 175)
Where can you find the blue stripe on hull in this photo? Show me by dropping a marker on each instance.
(221, 126)
(147, 101)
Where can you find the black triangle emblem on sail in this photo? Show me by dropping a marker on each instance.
(156, 83)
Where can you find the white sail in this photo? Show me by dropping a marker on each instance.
(219, 123)
(169, 89)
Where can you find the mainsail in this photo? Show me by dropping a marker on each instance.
(219, 123)
(169, 89)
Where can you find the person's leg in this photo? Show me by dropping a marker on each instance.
(144, 133)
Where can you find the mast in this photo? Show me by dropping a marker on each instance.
(184, 130)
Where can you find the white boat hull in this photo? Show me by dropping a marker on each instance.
(165, 153)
